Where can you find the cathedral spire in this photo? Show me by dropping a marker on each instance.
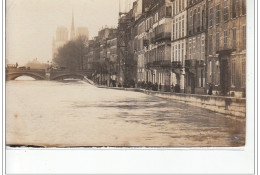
(72, 32)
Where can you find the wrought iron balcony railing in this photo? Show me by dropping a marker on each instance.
(177, 64)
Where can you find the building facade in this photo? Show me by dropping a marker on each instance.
(227, 47)
(196, 45)
(179, 43)
(157, 44)
(102, 56)
(195, 63)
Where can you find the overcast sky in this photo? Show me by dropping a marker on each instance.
(31, 24)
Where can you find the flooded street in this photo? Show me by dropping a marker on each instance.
(74, 113)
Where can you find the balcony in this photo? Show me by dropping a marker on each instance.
(194, 63)
(177, 64)
(162, 36)
(190, 63)
(225, 50)
(162, 64)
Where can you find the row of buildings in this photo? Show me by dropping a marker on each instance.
(102, 56)
(195, 44)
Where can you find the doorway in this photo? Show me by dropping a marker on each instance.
(224, 76)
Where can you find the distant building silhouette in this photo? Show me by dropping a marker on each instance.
(62, 36)
(60, 40)
(72, 31)
(82, 31)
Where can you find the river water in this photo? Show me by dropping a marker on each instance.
(74, 113)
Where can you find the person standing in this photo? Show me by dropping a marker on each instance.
(210, 88)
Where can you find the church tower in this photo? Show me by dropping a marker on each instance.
(72, 32)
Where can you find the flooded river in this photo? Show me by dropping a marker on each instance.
(75, 113)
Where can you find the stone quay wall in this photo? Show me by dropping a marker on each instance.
(219, 104)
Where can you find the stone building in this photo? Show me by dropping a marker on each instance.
(195, 63)
(112, 58)
(104, 55)
(227, 47)
(90, 55)
(179, 42)
(156, 43)
(139, 49)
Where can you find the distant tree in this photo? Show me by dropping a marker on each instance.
(72, 54)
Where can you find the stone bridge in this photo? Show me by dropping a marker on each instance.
(42, 74)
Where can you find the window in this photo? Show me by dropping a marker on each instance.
(177, 27)
(198, 46)
(244, 37)
(190, 49)
(172, 53)
(233, 72)
(203, 17)
(156, 17)
(234, 31)
(210, 69)
(203, 47)
(217, 41)
(182, 26)
(173, 29)
(198, 19)
(191, 23)
(179, 5)
(194, 20)
(243, 7)
(225, 39)
(217, 14)
(210, 44)
(202, 78)
(182, 51)
(213, 72)
(194, 46)
(211, 17)
(226, 10)
(183, 4)
(168, 11)
(243, 81)
(179, 56)
(233, 6)
(176, 51)
(173, 9)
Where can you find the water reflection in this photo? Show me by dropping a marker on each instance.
(24, 78)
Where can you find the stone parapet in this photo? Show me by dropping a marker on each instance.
(219, 104)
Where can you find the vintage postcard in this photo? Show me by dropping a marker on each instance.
(126, 73)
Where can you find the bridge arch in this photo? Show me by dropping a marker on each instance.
(13, 76)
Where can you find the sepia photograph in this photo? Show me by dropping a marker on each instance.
(125, 73)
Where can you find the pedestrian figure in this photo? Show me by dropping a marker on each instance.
(177, 88)
(160, 86)
(210, 88)
(156, 86)
(172, 87)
